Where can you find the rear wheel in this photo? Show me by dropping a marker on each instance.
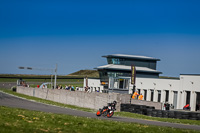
(105, 112)
(110, 114)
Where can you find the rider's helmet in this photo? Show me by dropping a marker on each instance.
(115, 102)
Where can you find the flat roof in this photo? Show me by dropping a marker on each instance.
(127, 68)
(131, 57)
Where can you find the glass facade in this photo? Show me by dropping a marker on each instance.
(129, 62)
(118, 74)
(119, 83)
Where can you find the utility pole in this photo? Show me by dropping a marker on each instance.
(44, 69)
(55, 77)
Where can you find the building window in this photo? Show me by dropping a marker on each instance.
(118, 74)
(115, 61)
(119, 83)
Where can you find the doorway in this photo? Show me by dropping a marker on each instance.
(167, 96)
(159, 95)
(121, 83)
(145, 95)
(198, 101)
(152, 93)
(187, 97)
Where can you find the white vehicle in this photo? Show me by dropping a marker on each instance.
(46, 85)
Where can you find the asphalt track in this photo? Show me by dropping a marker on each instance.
(16, 102)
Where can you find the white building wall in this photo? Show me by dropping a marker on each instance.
(158, 85)
(186, 83)
(93, 84)
(189, 83)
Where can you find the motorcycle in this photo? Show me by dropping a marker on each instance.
(107, 110)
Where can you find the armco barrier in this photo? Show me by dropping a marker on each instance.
(151, 111)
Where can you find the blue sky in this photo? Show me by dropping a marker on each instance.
(75, 34)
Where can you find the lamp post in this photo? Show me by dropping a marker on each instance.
(55, 77)
(44, 69)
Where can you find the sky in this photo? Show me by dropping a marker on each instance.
(74, 34)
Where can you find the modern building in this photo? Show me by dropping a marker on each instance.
(116, 77)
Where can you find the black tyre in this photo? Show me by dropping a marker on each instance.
(110, 114)
(171, 114)
(104, 114)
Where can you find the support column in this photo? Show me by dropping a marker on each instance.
(155, 97)
(193, 96)
(179, 100)
(148, 94)
(171, 96)
(163, 95)
(183, 102)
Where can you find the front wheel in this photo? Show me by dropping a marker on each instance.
(110, 114)
(98, 113)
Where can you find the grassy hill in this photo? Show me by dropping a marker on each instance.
(83, 73)
(78, 74)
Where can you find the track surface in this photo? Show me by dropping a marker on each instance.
(12, 101)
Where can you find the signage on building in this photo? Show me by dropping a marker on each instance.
(104, 83)
(133, 74)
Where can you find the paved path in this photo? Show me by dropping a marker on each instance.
(12, 101)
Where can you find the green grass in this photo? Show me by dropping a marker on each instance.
(35, 82)
(23, 121)
(122, 114)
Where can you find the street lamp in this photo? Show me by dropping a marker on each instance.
(45, 69)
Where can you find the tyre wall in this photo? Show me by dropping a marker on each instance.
(151, 111)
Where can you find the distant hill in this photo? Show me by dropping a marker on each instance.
(83, 73)
(78, 74)
(165, 77)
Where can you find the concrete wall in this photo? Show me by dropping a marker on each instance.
(94, 100)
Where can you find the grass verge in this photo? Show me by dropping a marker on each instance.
(23, 121)
(170, 120)
(121, 114)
